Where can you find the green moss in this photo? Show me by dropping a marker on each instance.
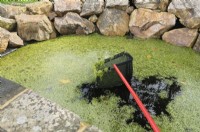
(41, 66)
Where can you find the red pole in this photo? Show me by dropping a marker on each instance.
(138, 101)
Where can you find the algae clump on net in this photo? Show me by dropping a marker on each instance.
(100, 69)
(106, 77)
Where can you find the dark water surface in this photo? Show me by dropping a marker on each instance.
(155, 93)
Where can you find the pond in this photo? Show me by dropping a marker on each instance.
(56, 67)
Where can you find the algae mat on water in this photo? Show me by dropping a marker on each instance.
(54, 68)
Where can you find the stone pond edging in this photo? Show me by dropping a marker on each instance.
(175, 21)
(22, 110)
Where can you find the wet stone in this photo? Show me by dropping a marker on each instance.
(155, 93)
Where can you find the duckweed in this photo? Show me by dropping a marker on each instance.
(42, 65)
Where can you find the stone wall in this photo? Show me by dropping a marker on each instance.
(175, 21)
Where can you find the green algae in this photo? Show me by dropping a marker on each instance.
(100, 69)
(106, 76)
(41, 66)
(163, 95)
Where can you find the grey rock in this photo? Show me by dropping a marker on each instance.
(130, 9)
(15, 40)
(188, 11)
(34, 27)
(54, 33)
(93, 18)
(113, 22)
(181, 37)
(145, 23)
(197, 44)
(4, 31)
(52, 16)
(152, 4)
(9, 11)
(148, 4)
(119, 4)
(72, 23)
(40, 8)
(92, 7)
(8, 24)
(87, 28)
(163, 5)
(4, 38)
(63, 6)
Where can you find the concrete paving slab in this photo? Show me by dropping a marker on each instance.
(29, 112)
(33, 113)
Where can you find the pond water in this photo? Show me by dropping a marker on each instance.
(56, 67)
(155, 93)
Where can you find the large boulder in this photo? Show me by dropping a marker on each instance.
(72, 23)
(63, 6)
(113, 22)
(4, 38)
(152, 4)
(15, 41)
(188, 11)
(197, 44)
(181, 37)
(33, 27)
(92, 7)
(9, 11)
(145, 23)
(119, 4)
(8, 24)
(40, 8)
